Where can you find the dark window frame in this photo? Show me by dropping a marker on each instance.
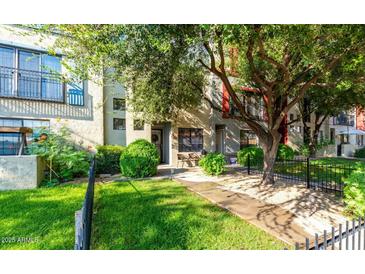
(118, 128)
(138, 124)
(192, 147)
(30, 137)
(122, 108)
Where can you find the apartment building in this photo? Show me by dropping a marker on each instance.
(33, 95)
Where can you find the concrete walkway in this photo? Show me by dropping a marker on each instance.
(271, 218)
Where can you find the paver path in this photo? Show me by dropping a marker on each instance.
(271, 218)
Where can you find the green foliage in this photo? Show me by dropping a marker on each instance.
(213, 163)
(44, 215)
(304, 150)
(354, 192)
(139, 159)
(169, 217)
(285, 152)
(256, 155)
(108, 158)
(64, 161)
(360, 153)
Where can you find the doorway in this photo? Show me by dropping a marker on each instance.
(156, 138)
(219, 138)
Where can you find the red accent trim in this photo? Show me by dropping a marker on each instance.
(225, 102)
(360, 118)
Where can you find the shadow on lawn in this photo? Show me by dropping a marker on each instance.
(165, 217)
(44, 216)
(303, 204)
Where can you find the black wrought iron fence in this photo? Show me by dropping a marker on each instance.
(83, 217)
(350, 236)
(316, 174)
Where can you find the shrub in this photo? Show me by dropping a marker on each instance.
(108, 159)
(285, 152)
(304, 150)
(213, 163)
(256, 155)
(64, 161)
(360, 153)
(139, 159)
(354, 192)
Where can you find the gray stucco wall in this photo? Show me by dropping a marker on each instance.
(21, 172)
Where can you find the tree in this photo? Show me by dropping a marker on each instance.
(166, 66)
(342, 93)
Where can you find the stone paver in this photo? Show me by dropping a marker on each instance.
(271, 218)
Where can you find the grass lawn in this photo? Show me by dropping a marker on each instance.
(44, 216)
(164, 215)
(331, 169)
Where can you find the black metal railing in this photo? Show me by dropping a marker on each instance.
(316, 174)
(351, 236)
(83, 217)
(28, 84)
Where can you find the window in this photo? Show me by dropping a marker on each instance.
(118, 124)
(138, 125)
(344, 138)
(291, 116)
(247, 138)
(321, 136)
(10, 142)
(190, 139)
(119, 104)
(332, 135)
(35, 75)
(299, 129)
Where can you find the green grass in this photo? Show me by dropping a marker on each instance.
(331, 169)
(164, 215)
(167, 216)
(44, 216)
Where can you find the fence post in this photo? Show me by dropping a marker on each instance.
(308, 173)
(248, 164)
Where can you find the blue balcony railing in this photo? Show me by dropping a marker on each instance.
(28, 84)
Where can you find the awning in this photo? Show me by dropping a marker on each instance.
(352, 132)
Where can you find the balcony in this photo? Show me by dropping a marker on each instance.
(344, 120)
(31, 85)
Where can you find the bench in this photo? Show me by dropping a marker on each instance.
(187, 158)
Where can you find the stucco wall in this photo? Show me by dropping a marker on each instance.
(86, 123)
(114, 137)
(21, 172)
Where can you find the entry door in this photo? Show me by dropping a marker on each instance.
(219, 140)
(156, 138)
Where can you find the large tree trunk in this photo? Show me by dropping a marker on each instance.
(313, 143)
(270, 148)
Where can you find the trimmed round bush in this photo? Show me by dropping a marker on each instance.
(213, 163)
(256, 155)
(360, 153)
(285, 152)
(139, 159)
(108, 158)
(354, 192)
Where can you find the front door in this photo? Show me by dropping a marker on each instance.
(219, 141)
(156, 138)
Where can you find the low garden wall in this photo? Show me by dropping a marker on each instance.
(327, 151)
(21, 172)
